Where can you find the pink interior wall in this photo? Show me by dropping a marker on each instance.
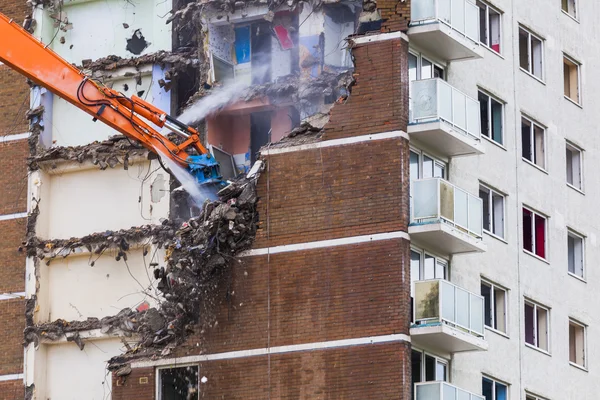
(281, 124)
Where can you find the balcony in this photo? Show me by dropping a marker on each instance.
(446, 28)
(445, 218)
(448, 319)
(442, 391)
(444, 118)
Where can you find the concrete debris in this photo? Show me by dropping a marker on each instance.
(198, 254)
(117, 150)
(180, 58)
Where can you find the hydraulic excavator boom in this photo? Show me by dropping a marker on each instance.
(33, 59)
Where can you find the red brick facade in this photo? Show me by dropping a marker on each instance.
(14, 101)
(327, 294)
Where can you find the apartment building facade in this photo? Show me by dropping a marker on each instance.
(449, 160)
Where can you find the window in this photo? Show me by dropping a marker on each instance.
(537, 325)
(533, 142)
(577, 354)
(493, 210)
(178, 383)
(424, 166)
(575, 254)
(252, 49)
(420, 67)
(489, 26)
(531, 53)
(493, 390)
(529, 396)
(492, 117)
(574, 166)
(495, 300)
(571, 78)
(534, 233)
(427, 368)
(569, 6)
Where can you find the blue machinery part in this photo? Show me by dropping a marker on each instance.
(205, 169)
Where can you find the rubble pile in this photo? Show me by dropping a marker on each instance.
(198, 254)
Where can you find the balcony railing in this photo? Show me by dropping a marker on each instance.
(442, 391)
(435, 99)
(436, 200)
(438, 301)
(460, 15)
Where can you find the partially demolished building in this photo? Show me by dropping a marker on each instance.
(340, 262)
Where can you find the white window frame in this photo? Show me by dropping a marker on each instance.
(436, 160)
(530, 72)
(490, 218)
(159, 379)
(489, 134)
(489, 7)
(438, 360)
(575, 14)
(531, 396)
(577, 65)
(438, 260)
(536, 339)
(576, 235)
(420, 56)
(533, 250)
(575, 149)
(585, 352)
(494, 383)
(493, 287)
(534, 124)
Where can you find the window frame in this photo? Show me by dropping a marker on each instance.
(438, 359)
(493, 287)
(537, 306)
(494, 383)
(575, 10)
(158, 378)
(437, 259)
(489, 7)
(533, 234)
(570, 146)
(583, 327)
(531, 396)
(502, 103)
(491, 192)
(530, 35)
(534, 124)
(420, 56)
(577, 65)
(577, 235)
(436, 160)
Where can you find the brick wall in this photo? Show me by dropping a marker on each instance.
(12, 263)
(14, 103)
(139, 385)
(11, 349)
(11, 390)
(14, 91)
(379, 99)
(334, 192)
(395, 14)
(362, 372)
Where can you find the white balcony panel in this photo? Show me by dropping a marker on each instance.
(444, 118)
(443, 391)
(445, 218)
(448, 319)
(446, 28)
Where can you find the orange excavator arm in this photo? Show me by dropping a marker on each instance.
(30, 57)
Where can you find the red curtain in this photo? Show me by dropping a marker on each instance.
(540, 236)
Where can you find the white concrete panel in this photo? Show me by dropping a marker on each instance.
(79, 290)
(73, 374)
(83, 202)
(73, 127)
(112, 24)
